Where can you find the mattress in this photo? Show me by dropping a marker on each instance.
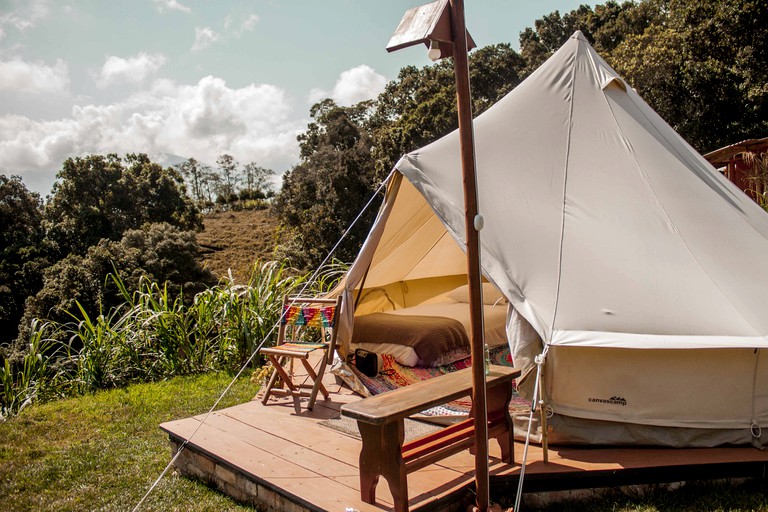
(427, 334)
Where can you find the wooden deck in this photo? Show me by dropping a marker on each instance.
(278, 456)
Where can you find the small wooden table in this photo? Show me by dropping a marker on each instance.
(380, 421)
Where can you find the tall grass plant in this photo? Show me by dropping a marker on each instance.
(154, 335)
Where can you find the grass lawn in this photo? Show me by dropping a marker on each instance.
(103, 451)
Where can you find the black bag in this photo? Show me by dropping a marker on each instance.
(367, 362)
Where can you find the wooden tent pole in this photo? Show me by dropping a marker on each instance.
(469, 174)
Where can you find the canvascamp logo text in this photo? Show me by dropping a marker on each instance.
(614, 400)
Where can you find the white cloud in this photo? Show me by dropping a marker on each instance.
(353, 86)
(358, 84)
(316, 95)
(33, 77)
(26, 16)
(248, 24)
(171, 5)
(203, 121)
(132, 69)
(204, 37)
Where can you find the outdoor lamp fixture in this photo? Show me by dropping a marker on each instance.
(429, 24)
(434, 52)
(440, 25)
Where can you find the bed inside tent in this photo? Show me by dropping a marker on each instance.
(413, 300)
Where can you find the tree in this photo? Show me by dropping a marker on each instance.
(420, 106)
(605, 26)
(99, 197)
(703, 66)
(700, 64)
(323, 193)
(347, 150)
(194, 173)
(229, 176)
(211, 184)
(158, 252)
(257, 185)
(23, 253)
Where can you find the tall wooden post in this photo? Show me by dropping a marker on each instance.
(469, 174)
(440, 25)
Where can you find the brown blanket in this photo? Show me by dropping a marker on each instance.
(431, 337)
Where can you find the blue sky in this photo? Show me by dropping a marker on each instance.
(198, 78)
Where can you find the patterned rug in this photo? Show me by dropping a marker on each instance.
(394, 375)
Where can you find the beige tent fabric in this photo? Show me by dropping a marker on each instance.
(638, 264)
(602, 225)
(408, 258)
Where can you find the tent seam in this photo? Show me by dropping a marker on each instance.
(431, 247)
(565, 187)
(649, 186)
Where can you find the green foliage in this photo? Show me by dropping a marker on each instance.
(420, 105)
(157, 252)
(196, 175)
(701, 65)
(36, 375)
(256, 180)
(103, 451)
(22, 251)
(322, 194)
(606, 26)
(220, 187)
(347, 151)
(98, 197)
(153, 334)
(71, 281)
(415, 109)
(229, 176)
(243, 315)
(706, 71)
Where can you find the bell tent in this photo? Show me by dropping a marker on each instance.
(627, 260)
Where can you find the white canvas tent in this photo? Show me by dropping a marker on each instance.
(639, 267)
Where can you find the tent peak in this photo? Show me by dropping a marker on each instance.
(579, 35)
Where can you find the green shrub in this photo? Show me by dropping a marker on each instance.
(34, 376)
(157, 252)
(153, 334)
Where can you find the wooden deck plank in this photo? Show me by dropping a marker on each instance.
(288, 474)
(425, 485)
(322, 458)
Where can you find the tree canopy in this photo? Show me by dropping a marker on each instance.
(158, 252)
(323, 193)
(105, 214)
(100, 196)
(22, 250)
(700, 64)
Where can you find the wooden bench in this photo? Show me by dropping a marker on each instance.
(380, 421)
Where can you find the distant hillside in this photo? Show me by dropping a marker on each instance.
(235, 240)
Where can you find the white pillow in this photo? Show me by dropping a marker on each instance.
(490, 294)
